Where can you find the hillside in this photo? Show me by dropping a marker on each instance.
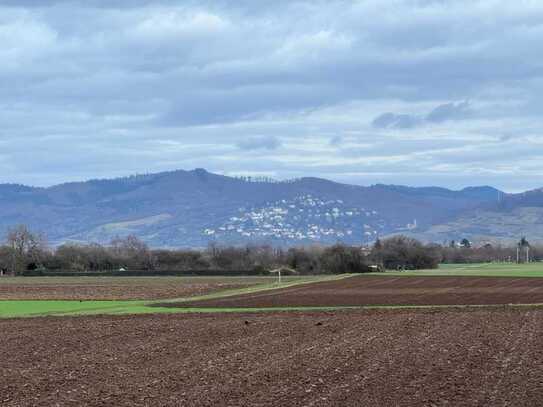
(193, 208)
(505, 221)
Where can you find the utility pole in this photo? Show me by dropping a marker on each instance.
(518, 254)
(13, 262)
(527, 254)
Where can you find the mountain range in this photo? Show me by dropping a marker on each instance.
(194, 208)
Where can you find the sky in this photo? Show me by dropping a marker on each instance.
(414, 92)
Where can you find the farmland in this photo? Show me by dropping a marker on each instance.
(124, 295)
(313, 341)
(119, 288)
(477, 270)
(349, 358)
(392, 291)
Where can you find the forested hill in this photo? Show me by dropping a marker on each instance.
(193, 208)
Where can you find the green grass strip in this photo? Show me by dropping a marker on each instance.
(23, 308)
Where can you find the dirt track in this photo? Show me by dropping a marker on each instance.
(349, 358)
(382, 290)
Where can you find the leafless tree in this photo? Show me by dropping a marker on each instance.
(133, 251)
(26, 248)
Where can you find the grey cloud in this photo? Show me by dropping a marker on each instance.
(259, 143)
(336, 141)
(396, 121)
(449, 111)
(440, 114)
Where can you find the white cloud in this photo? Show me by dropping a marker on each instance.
(164, 24)
(24, 39)
(185, 84)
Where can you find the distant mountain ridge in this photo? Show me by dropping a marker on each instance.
(193, 208)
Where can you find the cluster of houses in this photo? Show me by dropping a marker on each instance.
(303, 218)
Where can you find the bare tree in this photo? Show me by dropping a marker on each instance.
(134, 252)
(26, 248)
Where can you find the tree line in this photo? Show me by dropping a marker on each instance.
(464, 252)
(25, 253)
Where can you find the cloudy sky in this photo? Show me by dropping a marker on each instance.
(417, 92)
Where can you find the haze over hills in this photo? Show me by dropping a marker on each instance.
(194, 208)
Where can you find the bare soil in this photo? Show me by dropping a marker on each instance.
(348, 358)
(383, 290)
(112, 288)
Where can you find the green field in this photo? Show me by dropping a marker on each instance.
(477, 270)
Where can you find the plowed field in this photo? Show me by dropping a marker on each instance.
(117, 288)
(383, 290)
(348, 358)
